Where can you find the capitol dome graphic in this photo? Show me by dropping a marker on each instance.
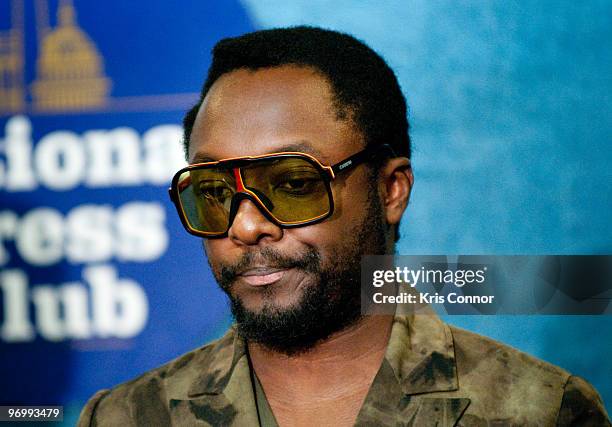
(70, 70)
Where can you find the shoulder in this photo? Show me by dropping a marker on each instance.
(476, 354)
(503, 380)
(581, 405)
(146, 397)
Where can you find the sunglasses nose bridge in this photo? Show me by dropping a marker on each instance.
(238, 178)
(235, 206)
(241, 188)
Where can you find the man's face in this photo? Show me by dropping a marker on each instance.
(278, 279)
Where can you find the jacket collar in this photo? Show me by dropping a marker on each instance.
(216, 372)
(215, 388)
(420, 359)
(421, 353)
(417, 381)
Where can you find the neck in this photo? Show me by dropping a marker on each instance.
(333, 369)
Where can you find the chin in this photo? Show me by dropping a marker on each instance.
(271, 305)
(270, 299)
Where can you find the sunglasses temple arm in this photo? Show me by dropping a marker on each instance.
(362, 156)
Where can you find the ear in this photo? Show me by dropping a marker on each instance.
(398, 180)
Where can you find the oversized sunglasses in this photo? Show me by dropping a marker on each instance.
(291, 189)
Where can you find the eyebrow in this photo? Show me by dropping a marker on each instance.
(298, 146)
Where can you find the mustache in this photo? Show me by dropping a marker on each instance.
(309, 261)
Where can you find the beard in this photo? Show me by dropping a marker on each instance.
(329, 303)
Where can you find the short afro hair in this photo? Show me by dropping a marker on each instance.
(362, 83)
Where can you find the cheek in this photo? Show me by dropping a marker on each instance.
(350, 207)
(215, 250)
(351, 201)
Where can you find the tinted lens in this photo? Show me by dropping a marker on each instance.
(206, 196)
(292, 189)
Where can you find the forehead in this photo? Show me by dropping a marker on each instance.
(269, 110)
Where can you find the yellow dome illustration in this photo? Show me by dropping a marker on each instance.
(70, 70)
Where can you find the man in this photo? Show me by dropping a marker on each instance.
(299, 154)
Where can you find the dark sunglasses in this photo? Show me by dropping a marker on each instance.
(291, 189)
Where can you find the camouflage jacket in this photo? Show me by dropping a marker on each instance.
(433, 374)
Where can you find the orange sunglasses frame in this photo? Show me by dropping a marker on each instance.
(328, 173)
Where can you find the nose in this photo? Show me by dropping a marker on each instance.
(250, 226)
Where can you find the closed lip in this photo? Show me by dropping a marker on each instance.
(260, 271)
(262, 276)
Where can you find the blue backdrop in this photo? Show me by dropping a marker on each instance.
(509, 103)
